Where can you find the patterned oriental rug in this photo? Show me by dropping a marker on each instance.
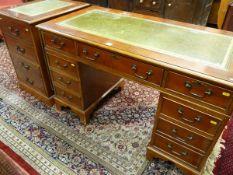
(53, 142)
(223, 165)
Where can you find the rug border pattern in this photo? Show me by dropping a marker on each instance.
(31, 153)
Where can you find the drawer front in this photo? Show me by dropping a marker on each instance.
(139, 70)
(66, 82)
(28, 74)
(94, 54)
(184, 10)
(59, 43)
(68, 97)
(189, 116)
(103, 3)
(149, 4)
(17, 30)
(178, 151)
(148, 12)
(21, 49)
(183, 135)
(209, 93)
(125, 65)
(68, 67)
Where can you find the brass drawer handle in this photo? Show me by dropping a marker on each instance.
(14, 31)
(154, 2)
(29, 81)
(56, 42)
(96, 55)
(69, 97)
(189, 138)
(183, 153)
(27, 67)
(148, 73)
(20, 50)
(64, 66)
(85, 51)
(181, 112)
(63, 81)
(189, 86)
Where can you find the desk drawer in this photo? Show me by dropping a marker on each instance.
(149, 4)
(178, 151)
(209, 93)
(28, 73)
(66, 82)
(17, 29)
(66, 96)
(59, 43)
(91, 53)
(125, 65)
(22, 49)
(65, 66)
(180, 134)
(190, 116)
(139, 70)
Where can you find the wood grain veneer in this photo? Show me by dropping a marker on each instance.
(24, 45)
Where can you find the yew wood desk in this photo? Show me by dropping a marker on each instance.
(190, 65)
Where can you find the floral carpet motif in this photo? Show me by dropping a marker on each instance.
(54, 142)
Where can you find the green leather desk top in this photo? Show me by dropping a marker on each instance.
(40, 7)
(178, 41)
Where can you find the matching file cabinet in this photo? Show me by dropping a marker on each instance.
(24, 45)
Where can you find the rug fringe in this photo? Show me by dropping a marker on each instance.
(214, 156)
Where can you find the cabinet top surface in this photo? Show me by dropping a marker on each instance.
(39, 10)
(204, 50)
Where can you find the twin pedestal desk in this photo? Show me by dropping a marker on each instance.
(87, 52)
